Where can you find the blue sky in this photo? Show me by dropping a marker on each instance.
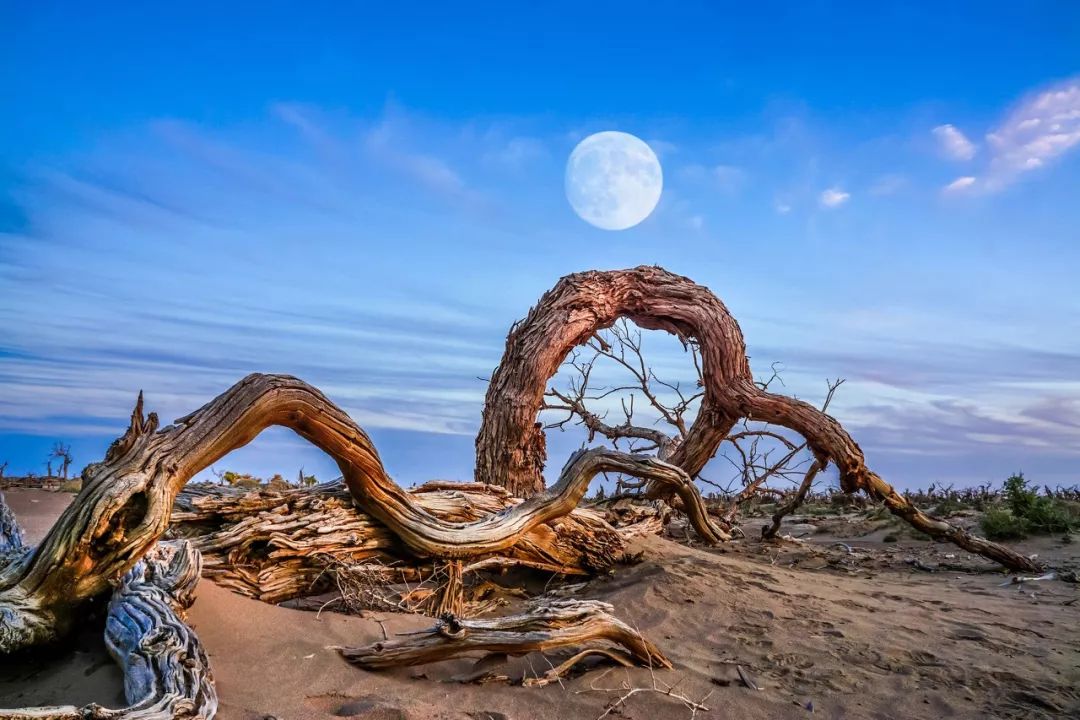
(368, 199)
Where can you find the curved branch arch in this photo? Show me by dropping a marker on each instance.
(578, 307)
(127, 500)
(582, 304)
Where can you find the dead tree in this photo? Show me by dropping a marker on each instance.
(62, 453)
(126, 500)
(582, 304)
(276, 545)
(546, 625)
(672, 406)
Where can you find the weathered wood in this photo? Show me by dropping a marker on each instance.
(166, 672)
(546, 625)
(126, 501)
(582, 304)
(579, 306)
(11, 536)
(769, 531)
(278, 545)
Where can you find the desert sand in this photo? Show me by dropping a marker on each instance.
(851, 630)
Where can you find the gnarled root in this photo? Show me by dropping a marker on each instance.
(545, 626)
(166, 672)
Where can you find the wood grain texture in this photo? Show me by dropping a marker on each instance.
(278, 545)
(546, 625)
(584, 303)
(166, 672)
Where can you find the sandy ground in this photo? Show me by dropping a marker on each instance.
(853, 632)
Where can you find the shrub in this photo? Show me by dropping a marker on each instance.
(71, 486)
(1000, 524)
(948, 506)
(1027, 512)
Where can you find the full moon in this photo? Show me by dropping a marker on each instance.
(613, 180)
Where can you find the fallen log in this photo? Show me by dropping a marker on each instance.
(276, 545)
(546, 625)
(166, 672)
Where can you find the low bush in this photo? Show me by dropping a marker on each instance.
(1025, 512)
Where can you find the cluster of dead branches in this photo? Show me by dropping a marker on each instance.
(645, 413)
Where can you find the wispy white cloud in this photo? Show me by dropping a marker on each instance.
(1042, 128)
(429, 170)
(833, 197)
(960, 184)
(953, 144)
(517, 152)
(728, 179)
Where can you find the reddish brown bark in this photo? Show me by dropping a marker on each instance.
(583, 303)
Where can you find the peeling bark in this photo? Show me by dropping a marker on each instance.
(126, 501)
(579, 306)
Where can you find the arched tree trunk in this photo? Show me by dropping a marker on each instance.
(126, 501)
(579, 306)
(582, 304)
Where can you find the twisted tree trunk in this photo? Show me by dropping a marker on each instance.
(126, 501)
(582, 304)
(278, 545)
(166, 672)
(579, 306)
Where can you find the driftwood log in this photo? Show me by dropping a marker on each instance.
(166, 671)
(545, 625)
(279, 545)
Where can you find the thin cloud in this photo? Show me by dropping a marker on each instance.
(953, 144)
(960, 184)
(888, 185)
(834, 197)
(1041, 129)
